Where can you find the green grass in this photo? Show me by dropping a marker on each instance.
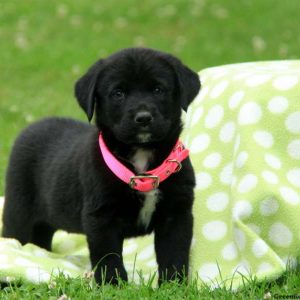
(83, 288)
(46, 45)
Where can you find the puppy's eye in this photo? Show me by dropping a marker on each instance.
(118, 94)
(158, 90)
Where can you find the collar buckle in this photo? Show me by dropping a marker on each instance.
(155, 180)
(179, 165)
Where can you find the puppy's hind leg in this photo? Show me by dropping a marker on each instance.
(18, 203)
(17, 223)
(42, 235)
(19, 220)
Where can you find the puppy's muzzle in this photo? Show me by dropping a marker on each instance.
(143, 118)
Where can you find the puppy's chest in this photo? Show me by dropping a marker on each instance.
(141, 160)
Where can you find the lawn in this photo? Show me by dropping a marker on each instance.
(83, 288)
(46, 45)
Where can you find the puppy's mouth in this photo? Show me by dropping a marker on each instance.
(139, 136)
(129, 133)
(144, 134)
(144, 137)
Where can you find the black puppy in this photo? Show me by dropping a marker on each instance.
(57, 177)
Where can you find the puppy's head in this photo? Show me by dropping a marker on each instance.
(137, 94)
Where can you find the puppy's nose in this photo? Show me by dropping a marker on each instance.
(143, 118)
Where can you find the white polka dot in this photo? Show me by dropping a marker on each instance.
(214, 116)
(70, 265)
(257, 80)
(263, 138)
(62, 235)
(293, 177)
(268, 206)
(214, 230)
(67, 245)
(289, 195)
(188, 115)
(6, 266)
(280, 65)
(235, 99)
(219, 74)
(129, 248)
(217, 202)
(280, 235)
(241, 159)
(242, 75)
(129, 266)
(226, 174)
(247, 183)
(240, 239)
(146, 253)
(203, 181)
(218, 89)
(293, 149)
(229, 252)
(270, 177)
(273, 161)
(227, 132)
(88, 266)
(11, 243)
(292, 122)
(264, 268)
(37, 275)
(201, 95)
(242, 210)
(285, 82)
(250, 113)
(212, 160)
(200, 143)
(197, 115)
(278, 105)
(208, 272)
(40, 253)
(152, 263)
(259, 248)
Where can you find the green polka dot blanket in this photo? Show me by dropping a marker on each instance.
(243, 131)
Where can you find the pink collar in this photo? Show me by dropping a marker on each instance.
(150, 180)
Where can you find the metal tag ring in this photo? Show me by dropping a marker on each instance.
(179, 165)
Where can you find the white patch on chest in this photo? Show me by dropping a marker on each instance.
(146, 212)
(141, 160)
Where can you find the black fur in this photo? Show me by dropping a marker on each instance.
(57, 179)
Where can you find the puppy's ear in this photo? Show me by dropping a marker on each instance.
(188, 80)
(85, 88)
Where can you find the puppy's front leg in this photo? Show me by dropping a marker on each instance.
(173, 237)
(105, 244)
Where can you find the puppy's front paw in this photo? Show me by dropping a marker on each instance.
(172, 274)
(110, 275)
